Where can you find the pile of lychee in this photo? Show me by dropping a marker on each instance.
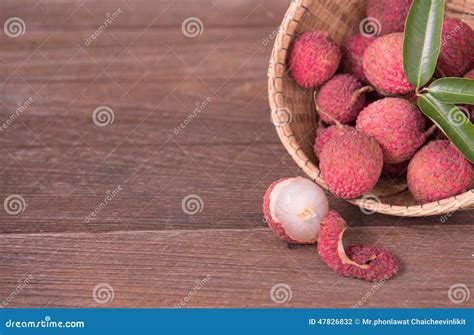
(369, 126)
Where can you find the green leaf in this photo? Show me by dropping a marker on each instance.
(452, 122)
(453, 90)
(422, 42)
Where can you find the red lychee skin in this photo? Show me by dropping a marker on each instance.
(457, 48)
(390, 13)
(339, 99)
(354, 49)
(396, 124)
(351, 164)
(313, 59)
(324, 135)
(365, 262)
(395, 171)
(438, 171)
(383, 65)
(274, 225)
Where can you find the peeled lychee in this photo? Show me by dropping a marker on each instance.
(294, 208)
(396, 124)
(383, 65)
(340, 99)
(391, 14)
(313, 59)
(365, 262)
(324, 135)
(438, 171)
(354, 49)
(351, 164)
(457, 48)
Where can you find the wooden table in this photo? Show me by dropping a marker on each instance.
(143, 248)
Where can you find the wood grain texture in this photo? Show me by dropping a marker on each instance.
(142, 243)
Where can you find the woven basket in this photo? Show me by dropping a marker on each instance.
(293, 114)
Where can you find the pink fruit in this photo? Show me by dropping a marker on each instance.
(324, 135)
(391, 14)
(351, 164)
(340, 99)
(313, 59)
(395, 171)
(470, 74)
(457, 48)
(294, 208)
(397, 125)
(365, 262)
(438, 171)
(354, 52)
(383, 65)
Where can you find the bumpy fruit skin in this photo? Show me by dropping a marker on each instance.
(324, 135)
(383, 65)
(370, 263)
(339, 99)
(354, 48)
(396, 124)
(313, 59)
(390, 13)
(395, 171)
(457, 48)
(438, 171)
(351, 164)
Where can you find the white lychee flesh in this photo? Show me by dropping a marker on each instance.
(299, 205)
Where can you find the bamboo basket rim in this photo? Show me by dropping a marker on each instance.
(276, 76)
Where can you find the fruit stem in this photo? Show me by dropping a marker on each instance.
(319, 110)
(430, 131)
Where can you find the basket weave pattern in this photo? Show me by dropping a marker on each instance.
(292, 108)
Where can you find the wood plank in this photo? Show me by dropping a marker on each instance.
(161, 269)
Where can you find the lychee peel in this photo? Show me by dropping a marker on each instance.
(383, 65)
(341, 99)
(370, 263)
(354, 48)
(313, 59)
(351, 164)
(438, 171)
(294, 208)
(324, 135)
(397, 125)
(457, 48)
(390, 13)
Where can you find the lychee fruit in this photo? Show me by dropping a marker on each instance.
(313, 59)
(294, 208)
(383, 65)
(324, 135)
(351, 164)
(396, 124)
(370, 263)
(391, 14)
(457, 48)
(341, 99)
(354, 48)
(395, 171)
(470, 74)
(438, 171)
